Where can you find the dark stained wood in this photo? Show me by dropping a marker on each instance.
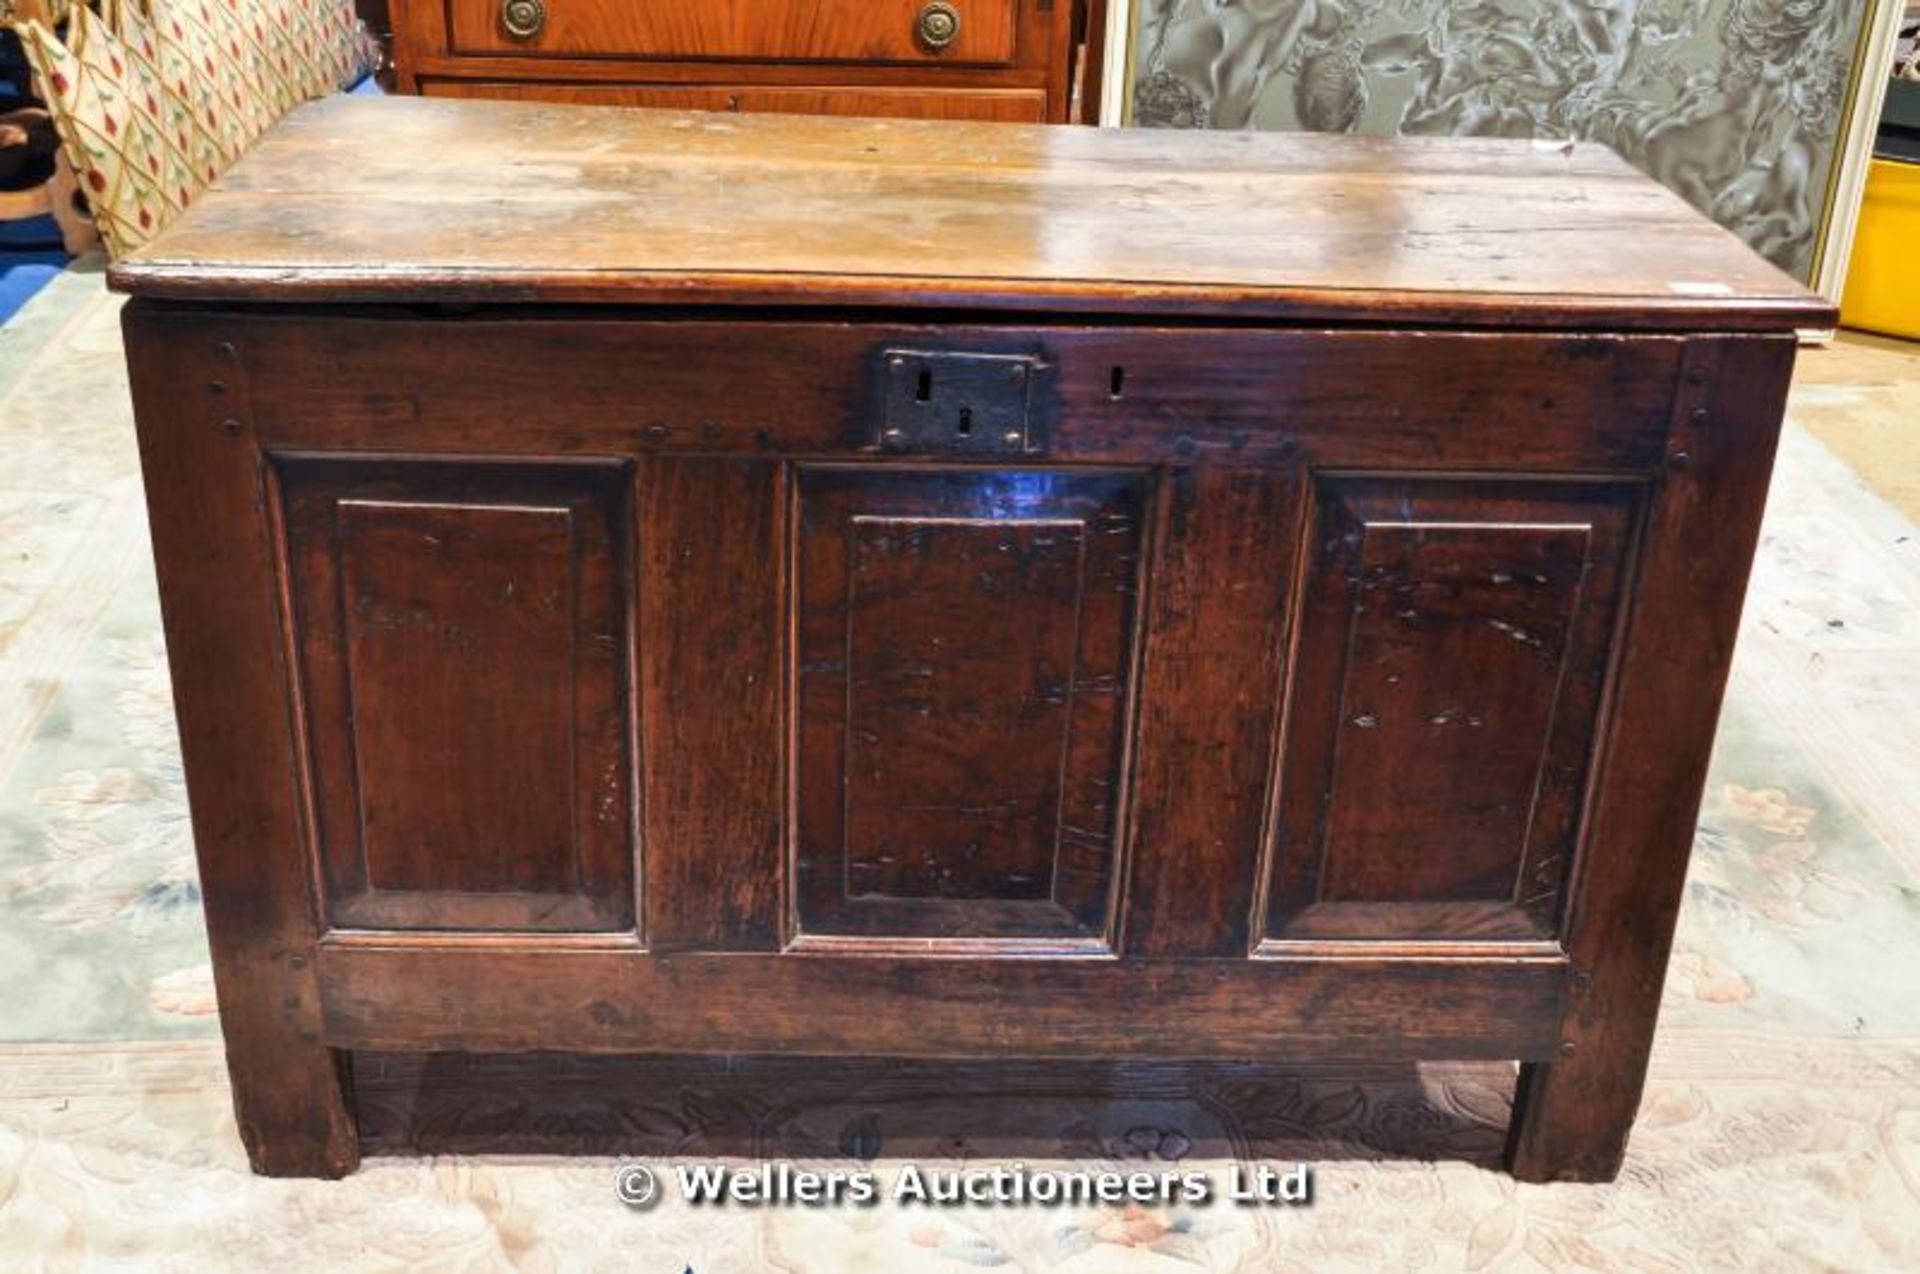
(713, 606)
(1210, 696)
(830, 57)
(609, 677)
(1188, 395)
(1089, 62)
(963, 655)
(463, 653)
(702, 1108)
(427, 200)
(233, 693)
(390, 994)
(1445, 693)
(1572, 1115)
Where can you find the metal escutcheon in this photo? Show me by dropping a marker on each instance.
(939, 24)
(523, 19)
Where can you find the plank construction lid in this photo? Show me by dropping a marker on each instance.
(418, 200)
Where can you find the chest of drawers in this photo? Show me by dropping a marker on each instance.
(1006, 60)
(878, 587)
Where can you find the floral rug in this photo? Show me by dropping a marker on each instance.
(1781, 1128)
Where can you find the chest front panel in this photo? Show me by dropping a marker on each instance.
(1223, 651)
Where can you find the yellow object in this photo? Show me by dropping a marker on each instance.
(1883, 278)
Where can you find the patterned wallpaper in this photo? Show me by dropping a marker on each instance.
(1736, 104)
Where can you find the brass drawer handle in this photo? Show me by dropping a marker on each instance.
(939, 25)
(523, 19)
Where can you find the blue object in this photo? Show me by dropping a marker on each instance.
(24, 273)
(29, 233)
(30, 256)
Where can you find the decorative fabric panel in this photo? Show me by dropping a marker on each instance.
(155, 99)
(107, 105)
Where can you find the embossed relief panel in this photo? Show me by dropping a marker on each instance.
(463, 665)
(1452, 653)
(964, 640)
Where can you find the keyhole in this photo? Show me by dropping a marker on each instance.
(966, 422)
(923, 388)
(1116, 382)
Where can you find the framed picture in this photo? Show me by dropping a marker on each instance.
(1761, 113)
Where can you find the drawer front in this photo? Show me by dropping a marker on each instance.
(958, 32)
(1003, 106)
(991, 640)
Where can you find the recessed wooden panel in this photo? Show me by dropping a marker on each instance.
(444, 606)
(964, 640)
(1445, 695)
(462, 651)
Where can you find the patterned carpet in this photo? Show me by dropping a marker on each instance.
(1781, 1128)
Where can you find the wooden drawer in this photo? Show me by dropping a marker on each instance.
(784, 30)
(1008, 106)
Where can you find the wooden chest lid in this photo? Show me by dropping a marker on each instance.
(414, 200)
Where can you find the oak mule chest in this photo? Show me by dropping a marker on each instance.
(668, 582)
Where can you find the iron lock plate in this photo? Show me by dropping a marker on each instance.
(944, 402)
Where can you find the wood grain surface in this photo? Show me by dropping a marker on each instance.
(436, 201)
(511, 995)
(799, 30)
(462, 653)
(1005, 105)
(801, 649)
(962, 653)
(1013, 60)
